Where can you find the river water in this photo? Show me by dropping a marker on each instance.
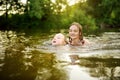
(36, 59)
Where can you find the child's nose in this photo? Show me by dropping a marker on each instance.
(54, 38)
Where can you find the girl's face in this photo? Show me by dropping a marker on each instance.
(58, 39)
(74, 32)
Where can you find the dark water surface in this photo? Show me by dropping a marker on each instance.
(31, 58)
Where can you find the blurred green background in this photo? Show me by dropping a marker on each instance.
(33, 16)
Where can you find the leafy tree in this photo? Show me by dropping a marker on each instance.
(11, 6)
(111, 11)
(78, 14)
(105, 11)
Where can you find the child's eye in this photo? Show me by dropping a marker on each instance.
(75, 31)
(58, 38)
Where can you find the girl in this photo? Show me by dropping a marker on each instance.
(76, 35)
(59, 40)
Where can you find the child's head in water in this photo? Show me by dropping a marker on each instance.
(59, 40)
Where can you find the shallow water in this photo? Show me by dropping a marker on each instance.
(19, 60)
(97, 61)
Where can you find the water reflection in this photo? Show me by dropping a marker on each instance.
(36, 66)
(78, 73)
(20, 59)
(99, 61)
(108, 68)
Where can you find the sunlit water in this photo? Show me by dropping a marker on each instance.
(98, 61)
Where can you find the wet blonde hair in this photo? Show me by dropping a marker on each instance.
(64, 37)
(79, 26)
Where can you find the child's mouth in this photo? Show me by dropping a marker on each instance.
(54, 41)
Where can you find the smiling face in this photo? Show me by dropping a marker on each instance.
(74, 32)
(59, 39)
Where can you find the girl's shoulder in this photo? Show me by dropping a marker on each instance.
(86, 41)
